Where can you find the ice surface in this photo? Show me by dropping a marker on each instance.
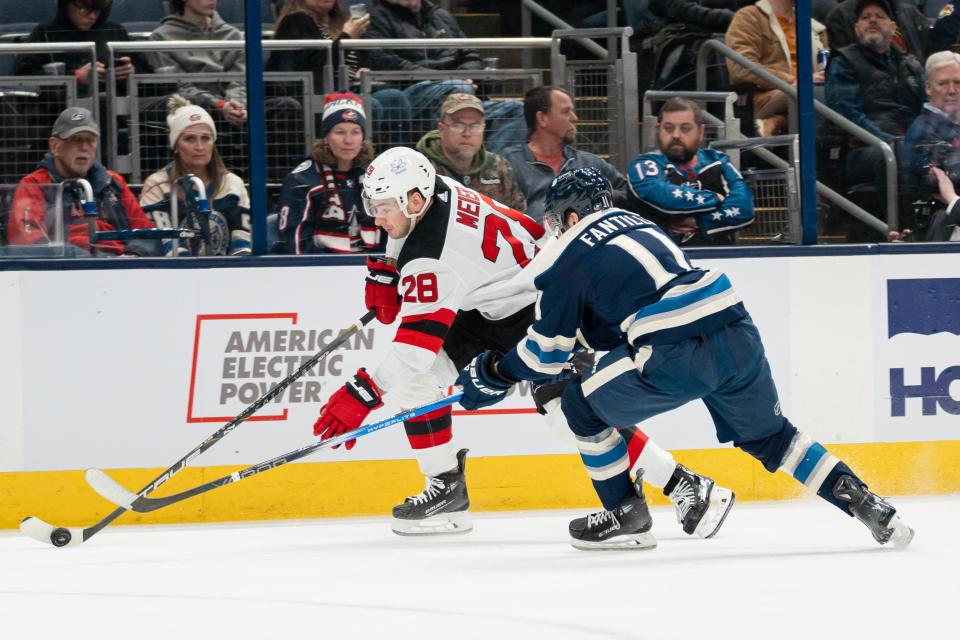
(776, 570)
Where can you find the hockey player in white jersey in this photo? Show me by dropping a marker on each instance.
(457, 269)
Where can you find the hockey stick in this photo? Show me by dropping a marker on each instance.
(116, 493)
(63, 536)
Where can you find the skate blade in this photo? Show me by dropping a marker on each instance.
(902, 534)
(633, 542)
(721, 501)
(442, 524)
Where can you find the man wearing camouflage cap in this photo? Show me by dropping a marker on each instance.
(456, 149)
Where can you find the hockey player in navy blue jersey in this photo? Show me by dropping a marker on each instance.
(673, 333)
(695, 194)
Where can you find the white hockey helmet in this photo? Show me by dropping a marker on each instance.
(395, 173)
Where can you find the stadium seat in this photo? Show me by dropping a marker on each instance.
(232, 12)
(21, 16)
(137, 15)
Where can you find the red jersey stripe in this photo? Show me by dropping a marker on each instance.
(418, 339)
(446, 316)
(430, 440)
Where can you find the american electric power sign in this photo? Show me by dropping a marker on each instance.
(239, 357)
(923, 346)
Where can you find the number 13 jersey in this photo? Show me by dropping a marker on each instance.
(462, 254)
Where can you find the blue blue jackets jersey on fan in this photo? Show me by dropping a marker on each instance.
(712, 190)
(615, 278)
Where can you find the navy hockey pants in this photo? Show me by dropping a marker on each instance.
(727, 369)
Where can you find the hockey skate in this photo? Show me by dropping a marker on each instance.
(440, 508)
(701, 505)
(626, 527)
(879, 515)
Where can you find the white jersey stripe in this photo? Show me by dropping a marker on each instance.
(670, 246)
(643, 255)
(686, 315)
(605, 375)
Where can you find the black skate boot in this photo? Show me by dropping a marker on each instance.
(440, 508)
(626, 527)
(879, 515)
(701, 505)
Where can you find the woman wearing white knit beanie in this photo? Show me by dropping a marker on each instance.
(193, 136)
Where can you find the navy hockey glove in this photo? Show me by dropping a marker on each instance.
(483, 384)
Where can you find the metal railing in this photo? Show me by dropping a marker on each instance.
(615, 99)
(530, 8)
(776, 192)
(147, 125)
(832, 116)
(61, 47)
(130, 105)
(502, 90)
(30, 104)
(610, 123)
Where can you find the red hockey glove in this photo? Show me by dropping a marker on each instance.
(380, 292)
(348, 407)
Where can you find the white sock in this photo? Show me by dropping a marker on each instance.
(657, 464)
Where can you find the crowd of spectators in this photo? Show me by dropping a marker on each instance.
(881, 64)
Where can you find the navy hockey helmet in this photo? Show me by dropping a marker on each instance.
(583, 190)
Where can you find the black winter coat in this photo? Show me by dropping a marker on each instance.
(913, 25)
(709, 16)
(395, 22)
(60, 29)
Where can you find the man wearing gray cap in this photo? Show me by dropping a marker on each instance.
(73, 154)
(455, 148)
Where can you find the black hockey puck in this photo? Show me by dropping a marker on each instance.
(60, 537)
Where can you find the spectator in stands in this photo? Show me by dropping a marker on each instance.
(636, 14)
(931, 151)
(327, 20)
(675, 48)
(456, 149)
(321, 210)
(548, 152)
(706, 15)
(81, 21)
(877, 87)
(820, 9)
(73, 152)
(199, 20)
(421, 19)
(911, 29)
(766, 33)
(193, 137)
(226, 101)
(695, 194)
(317, 20)
(946, 30)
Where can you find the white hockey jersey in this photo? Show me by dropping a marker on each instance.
(462, 254)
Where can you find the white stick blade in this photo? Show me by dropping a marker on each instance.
(42, 532)
(109, 489)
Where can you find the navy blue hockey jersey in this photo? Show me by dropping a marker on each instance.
(615, 277)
